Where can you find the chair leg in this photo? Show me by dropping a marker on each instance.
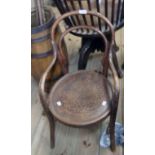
(84, 52)
(118, 69)
(112, 136)
(51, 121)
(114, 107)
(52, 130)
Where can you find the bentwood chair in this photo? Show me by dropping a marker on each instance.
(112, 9)
(84, 97)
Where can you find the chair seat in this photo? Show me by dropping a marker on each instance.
(81, 98)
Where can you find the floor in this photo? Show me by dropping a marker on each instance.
(69, 140)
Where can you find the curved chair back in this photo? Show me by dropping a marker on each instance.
(111, 9)
(57, 45)
(58, 54)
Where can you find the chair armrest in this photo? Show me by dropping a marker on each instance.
(42, 92)
(116, 82)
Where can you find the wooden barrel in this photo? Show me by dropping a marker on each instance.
(41, 48)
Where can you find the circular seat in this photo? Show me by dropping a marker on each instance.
(81, 98)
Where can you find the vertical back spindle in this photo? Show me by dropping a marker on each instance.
(62, 10)
(81, 7)
(118, 10)
(90, 8)
(68, 10)
(106, 11)
(122, 12)
(98, 10)
(112, 11)
(73, 8)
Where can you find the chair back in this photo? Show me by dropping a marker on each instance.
(111, 9)
(58, 50)
(57, 43)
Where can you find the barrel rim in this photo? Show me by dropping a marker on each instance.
(42, 55)
(41, 39)
(45, 26)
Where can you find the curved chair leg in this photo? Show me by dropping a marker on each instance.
(85, 51)
(52, 130)
(118, 69)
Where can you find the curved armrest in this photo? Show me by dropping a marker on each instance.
(116, 81)
(42, 92)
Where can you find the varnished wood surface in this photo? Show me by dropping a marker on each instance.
(69, 140)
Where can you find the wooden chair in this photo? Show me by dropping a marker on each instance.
(112, 9)
(84, 97)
